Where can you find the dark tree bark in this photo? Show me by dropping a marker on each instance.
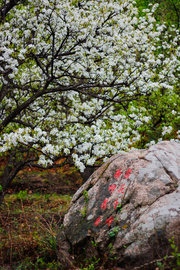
(12, 167)
(88, 172)
(6, 7)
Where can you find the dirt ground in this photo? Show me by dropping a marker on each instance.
(66, 180)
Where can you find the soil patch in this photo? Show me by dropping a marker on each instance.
(47, 182)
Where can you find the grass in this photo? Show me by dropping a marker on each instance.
(31, 216)
(29, 226)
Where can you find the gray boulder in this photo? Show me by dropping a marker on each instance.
(127, 210)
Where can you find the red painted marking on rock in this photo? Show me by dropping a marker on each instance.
(117, 174)
(115, 203)
(127, 174)
(104, 204)
(112, 188)
(121, 190)
(109, 221)
(97, 221)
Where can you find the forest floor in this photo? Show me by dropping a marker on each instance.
(31, 215)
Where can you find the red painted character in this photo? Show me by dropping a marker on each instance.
(121, 189)
(98, 220)
(104, 204)
(112, 188)
(115, 203)
(127, 174)
(109, 221)
(117, 174)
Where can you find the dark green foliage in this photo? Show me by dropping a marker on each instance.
(114, 231)
(163, 107)
(168, 10)
(85, 195)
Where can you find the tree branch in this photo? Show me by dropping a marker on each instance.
(6, 8)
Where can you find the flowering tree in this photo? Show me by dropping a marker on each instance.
(69, 74)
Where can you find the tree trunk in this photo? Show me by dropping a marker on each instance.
(14, 165)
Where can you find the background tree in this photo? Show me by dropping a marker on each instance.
(167, 11)
(163, 106)
(75, 79)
